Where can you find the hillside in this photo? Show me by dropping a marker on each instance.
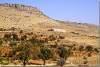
(30, 18)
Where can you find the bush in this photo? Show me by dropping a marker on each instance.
(24, 37)
(96, 50)
(89, 48)
(81, 48)
(7, 36)
(1, 29)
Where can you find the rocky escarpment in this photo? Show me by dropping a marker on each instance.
(24, 17)
(19, 6)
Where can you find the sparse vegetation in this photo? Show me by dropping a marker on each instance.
(23, 48)
(52, 43)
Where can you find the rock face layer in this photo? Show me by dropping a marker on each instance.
(30, 18)
(24, 17)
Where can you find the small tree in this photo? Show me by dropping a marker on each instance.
(81, 48)
(96, 50)
(45, 54)
(21, 31)
(89, 49)
(23, 56)
(24, 52)
(64, 54)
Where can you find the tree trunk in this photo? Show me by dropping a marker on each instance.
(24, 63)
(43, 62)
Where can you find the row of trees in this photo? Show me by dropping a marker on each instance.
(23, 48)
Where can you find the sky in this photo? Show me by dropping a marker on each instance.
(84, 11)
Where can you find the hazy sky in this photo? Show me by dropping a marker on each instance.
(86, 11)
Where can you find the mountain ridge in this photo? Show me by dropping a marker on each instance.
(30, 18)
(21, 6)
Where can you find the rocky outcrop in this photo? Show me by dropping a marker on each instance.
(20, 6)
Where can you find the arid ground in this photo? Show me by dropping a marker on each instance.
(29, 37)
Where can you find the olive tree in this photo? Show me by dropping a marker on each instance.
(63, 54)
(45, 54)
(89, 49)
(24, 50)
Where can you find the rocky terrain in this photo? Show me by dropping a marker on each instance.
(16, 17)
(30, 18)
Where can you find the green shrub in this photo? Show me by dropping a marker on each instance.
(63, 52)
